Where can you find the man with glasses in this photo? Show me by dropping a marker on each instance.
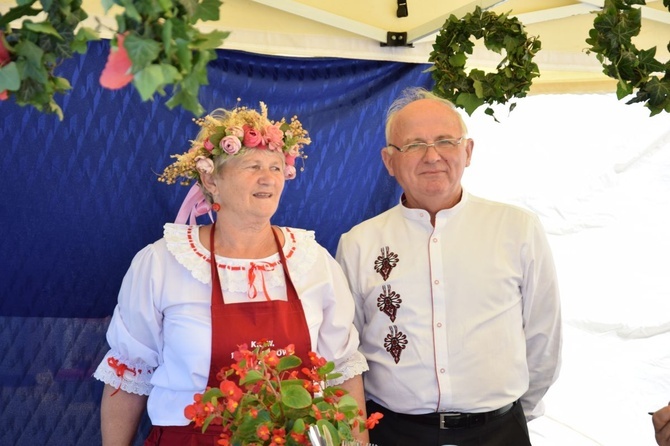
(457, 301)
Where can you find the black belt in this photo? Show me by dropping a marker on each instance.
(451, 420)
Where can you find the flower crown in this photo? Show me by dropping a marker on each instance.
(226, 133)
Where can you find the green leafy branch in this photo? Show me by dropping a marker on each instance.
(515, 71)
(636, 71)
(38, 47)
(166, 49)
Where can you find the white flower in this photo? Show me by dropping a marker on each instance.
(204, 164)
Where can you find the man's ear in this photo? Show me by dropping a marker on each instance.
(386, 158)
(469, 147)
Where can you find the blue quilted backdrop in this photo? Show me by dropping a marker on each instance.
(80, 198)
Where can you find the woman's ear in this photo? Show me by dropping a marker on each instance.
(208, 181)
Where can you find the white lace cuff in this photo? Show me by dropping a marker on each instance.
(125, 375)
(350, 367)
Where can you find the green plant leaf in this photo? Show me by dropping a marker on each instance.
(107, 4)
(187, 100)
(212, 393)
(469, 101)
(31, 66)
(299, 426)
(347, 403)
(659, 95)
(191, 7)
(10, 78)
(148, 80)
(210, 40)
(207, 10)
(296, 397)
(327, 425)
(288, 362)
(141, 51)
(130, 10)
(252, 376)
(42, 27)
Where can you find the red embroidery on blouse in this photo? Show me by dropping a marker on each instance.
(388, 302)
(120, 370)
(395, 342)
(207, 256)
(386, 262)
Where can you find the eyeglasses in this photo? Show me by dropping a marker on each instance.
(440, 144)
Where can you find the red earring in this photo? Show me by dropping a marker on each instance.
(216, 207)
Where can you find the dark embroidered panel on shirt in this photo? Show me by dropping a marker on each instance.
(395, 342)
(386, 262)
(388, 302)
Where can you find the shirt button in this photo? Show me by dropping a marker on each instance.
(436, 282)
(439, 324)
(442, 370)
(435, 240)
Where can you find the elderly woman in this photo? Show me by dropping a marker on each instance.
(180, 315)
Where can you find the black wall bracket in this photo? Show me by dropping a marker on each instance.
(396, 39)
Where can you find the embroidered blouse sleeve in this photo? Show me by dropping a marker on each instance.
(134, 333)
(338, 338)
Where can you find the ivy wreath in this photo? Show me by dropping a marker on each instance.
(610, 39)
(515, 71)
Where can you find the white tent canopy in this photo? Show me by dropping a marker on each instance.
(357, 29)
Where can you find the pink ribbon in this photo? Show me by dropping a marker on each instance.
(195, 204)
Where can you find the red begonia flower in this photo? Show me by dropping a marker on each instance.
(117, 70)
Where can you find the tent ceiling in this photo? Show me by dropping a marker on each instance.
(358, 29)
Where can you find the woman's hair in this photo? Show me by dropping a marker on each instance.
(413, 94)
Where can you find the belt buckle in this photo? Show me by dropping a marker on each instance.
(447, 420)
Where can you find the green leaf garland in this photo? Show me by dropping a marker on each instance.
(515, 71)
(636, 71)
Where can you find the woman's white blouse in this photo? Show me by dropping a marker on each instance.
(160, 332)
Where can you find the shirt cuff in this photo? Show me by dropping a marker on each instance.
(131, 377)
(350, 367)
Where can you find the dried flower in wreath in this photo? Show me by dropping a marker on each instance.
(30, 55)
(636, 71)
(266, 398)
(515, 71)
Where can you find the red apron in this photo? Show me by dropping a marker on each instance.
(277, 321)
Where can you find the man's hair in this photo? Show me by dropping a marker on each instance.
(412, 94)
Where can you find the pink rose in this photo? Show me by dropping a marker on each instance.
(230, 144)
(274, 138)
(204, 164)
(235, 130)
(289, 172)
(117, 70)
(290, 160)
(208, 145)
(252, 138)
